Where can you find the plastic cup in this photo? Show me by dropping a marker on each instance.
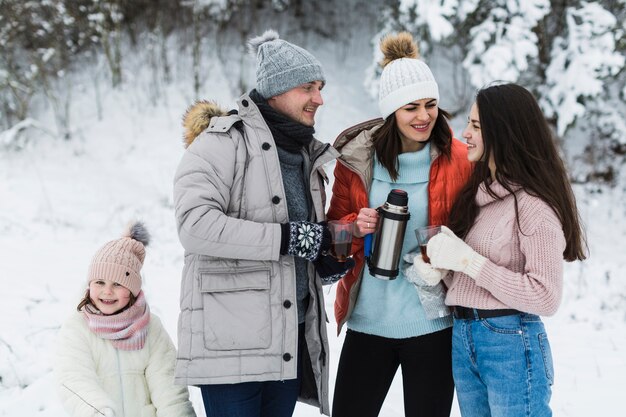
(341, 234)
(423, 235)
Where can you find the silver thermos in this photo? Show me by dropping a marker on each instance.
(385, 255)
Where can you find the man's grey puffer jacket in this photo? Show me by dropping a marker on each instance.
(238, 319)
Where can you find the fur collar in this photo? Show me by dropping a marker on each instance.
(197, 117)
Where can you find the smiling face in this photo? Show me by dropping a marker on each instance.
(474, 138)
(415, 122)
(108, 297)
(300, 103)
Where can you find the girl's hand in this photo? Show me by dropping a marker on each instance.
(365, 222)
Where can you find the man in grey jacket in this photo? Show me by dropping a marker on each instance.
(249, 199)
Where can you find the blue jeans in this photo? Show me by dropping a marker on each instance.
(502, 366)
(251, 399)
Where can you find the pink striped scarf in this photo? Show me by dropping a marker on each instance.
(126, 330)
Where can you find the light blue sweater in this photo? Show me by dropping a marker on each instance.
(392, 308)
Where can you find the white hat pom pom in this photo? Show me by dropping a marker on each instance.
(256, 42)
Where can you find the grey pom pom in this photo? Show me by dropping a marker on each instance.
(137, 230)
(255, 43)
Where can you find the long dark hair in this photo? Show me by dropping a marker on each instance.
(388, 143)
(515, 132)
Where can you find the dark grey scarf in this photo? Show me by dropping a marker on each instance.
(288, 134)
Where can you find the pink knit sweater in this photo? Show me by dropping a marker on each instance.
(524, 269)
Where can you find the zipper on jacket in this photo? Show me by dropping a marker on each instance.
(307, 168)
(82, 399)
(360, 276)
(319, 301)
(320, 153)
(242, 196)
(119, 373)
(313, 168)
(321, 324)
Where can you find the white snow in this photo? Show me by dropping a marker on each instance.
(61, 200)
(580, 62)
(502, 45)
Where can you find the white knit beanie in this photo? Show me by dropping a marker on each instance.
(405, 78)
(121, 260)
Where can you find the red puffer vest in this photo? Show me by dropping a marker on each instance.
(353, 177)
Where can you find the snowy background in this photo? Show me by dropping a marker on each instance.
(61, 199)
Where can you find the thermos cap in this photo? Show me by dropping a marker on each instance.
(398, 197)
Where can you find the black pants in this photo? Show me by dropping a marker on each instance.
(368, 365)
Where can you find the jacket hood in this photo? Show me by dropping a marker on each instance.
(350, 133)
(356, 147)
(197, 117)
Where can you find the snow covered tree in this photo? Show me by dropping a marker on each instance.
(36, 46)
(584, 88)
(569, 53)
(503, 43)
(432, 22)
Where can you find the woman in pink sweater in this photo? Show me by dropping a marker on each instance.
(510, 229)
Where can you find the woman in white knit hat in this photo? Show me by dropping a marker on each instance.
(401, 322)
(114, 358)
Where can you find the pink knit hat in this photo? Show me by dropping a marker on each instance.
(121, 260)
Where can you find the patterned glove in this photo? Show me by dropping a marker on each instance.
(447, 251)
(304, 239)
(330, 270)
(431, 296)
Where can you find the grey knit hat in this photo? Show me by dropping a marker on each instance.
(281, 65)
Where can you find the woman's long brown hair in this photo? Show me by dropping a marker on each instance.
(388, 143)
(516, 134)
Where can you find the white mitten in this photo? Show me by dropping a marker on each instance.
(430, 275)
(447, 251)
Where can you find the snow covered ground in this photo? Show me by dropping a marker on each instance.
(60, 201)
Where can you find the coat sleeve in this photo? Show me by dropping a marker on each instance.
(342, 202)
(206, 176)
(75, 371)
(348, 198)
(170, 400)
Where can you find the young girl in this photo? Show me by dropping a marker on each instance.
(114, 357)
(517, 221)
(390, 324)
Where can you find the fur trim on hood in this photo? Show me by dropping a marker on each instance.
(197, 117)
